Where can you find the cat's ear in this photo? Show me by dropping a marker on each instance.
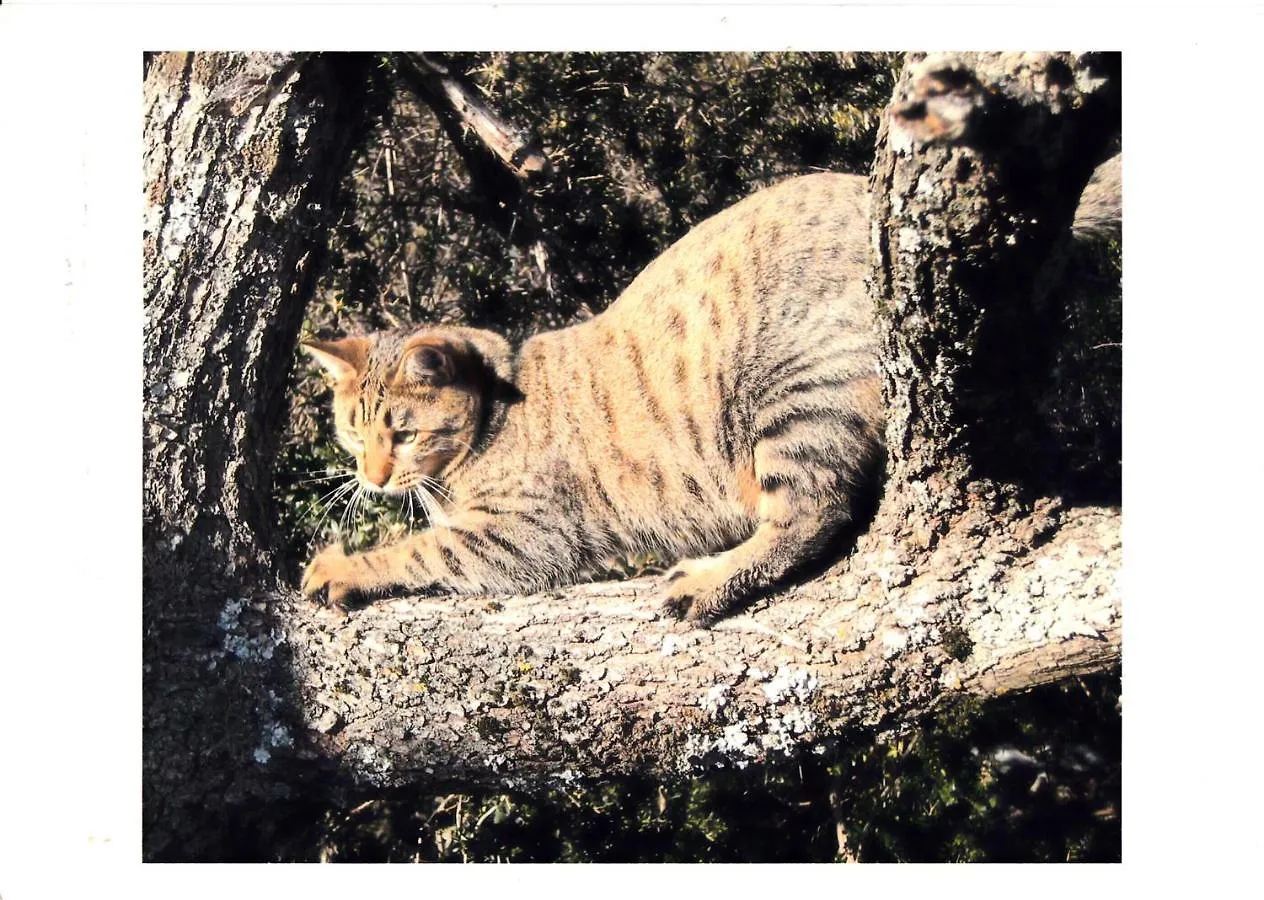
(341, 359)
(427, 360)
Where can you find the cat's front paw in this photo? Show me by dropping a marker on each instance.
(330, 577)
(696, 593)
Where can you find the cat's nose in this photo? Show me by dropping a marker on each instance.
(377, 475)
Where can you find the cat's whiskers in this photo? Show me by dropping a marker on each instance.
(335, 491)
(438, 519)
(322, 470)
(437, 486)
(341, 527)
(343, 475)
(434, 511)
(350, 515)
(329, 499)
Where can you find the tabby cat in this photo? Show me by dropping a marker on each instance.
(727, 403)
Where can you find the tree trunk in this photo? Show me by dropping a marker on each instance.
(976, 577)
(243, 155)
(978, 170)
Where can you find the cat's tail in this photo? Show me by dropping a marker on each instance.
(1099, 217)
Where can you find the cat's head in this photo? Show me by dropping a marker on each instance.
(409, 406)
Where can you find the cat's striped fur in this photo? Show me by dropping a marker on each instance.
(727, 403)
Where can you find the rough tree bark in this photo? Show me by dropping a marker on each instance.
(976, 577)
(242, 158)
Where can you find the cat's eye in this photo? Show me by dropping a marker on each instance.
(405, 437)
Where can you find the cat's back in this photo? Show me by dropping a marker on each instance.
(785, 262)
(773, 279)
(711, 322)
(658, 402)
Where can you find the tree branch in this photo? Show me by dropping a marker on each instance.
(500, 158)
(979, 164)
(462, 112)
(524, 691)
(215, 259)
(243, 158)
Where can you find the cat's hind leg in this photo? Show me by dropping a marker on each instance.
(703, 590)
(814, 481)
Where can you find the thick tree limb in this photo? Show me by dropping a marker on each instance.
(522, 690)
(979, 166)
(236, 183)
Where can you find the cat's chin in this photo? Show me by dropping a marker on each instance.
(376, 490)
(392, 490)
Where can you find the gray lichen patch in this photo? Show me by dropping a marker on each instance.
(274, 733)
(372, 765)
(731, 746)
(894, 641)
(714, 700)
(790, 685)
(1080, 568)
(763, 714)
(239, 640)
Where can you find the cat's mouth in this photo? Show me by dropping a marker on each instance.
(384, 490)
(427, 473)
